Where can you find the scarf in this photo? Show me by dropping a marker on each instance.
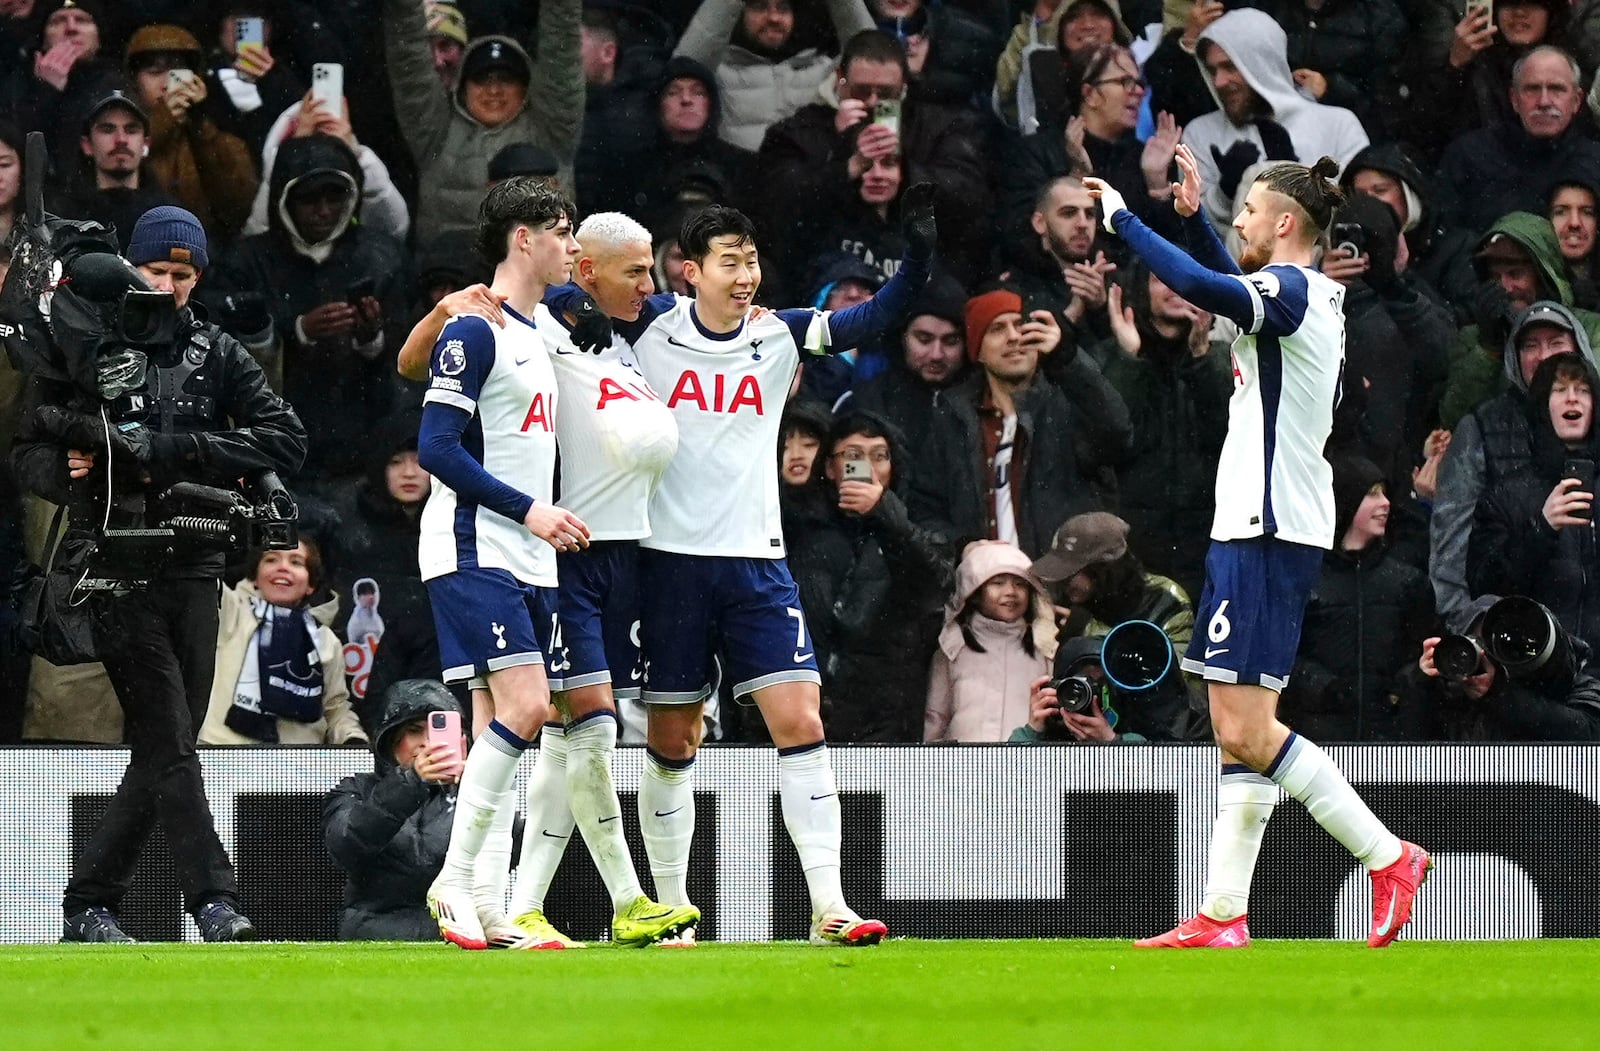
(282, 674)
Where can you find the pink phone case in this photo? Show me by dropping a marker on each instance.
(445, 728)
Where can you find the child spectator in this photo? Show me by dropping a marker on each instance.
(998, 638)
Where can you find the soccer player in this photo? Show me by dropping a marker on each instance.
(615, 437)
(712, 570)
(1274, 519)
(490, 534)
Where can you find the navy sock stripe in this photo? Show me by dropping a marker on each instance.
(553, 728)
(800, 749)
(668, 764)
(1283, 753)
(1236, 768)
(508, 735)
(598, 713)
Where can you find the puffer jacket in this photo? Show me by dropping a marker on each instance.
(1490, 444)
(452, 150)
(759, 90)
(871, 586)
(236, 632)
(1491, 171)
(340, 389)
(982, 696)
(389, 830)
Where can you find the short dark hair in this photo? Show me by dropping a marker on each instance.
(601, 20)
(522, 200)
(706, 225)
(1313, 188)
(866, 424)
(874, 45)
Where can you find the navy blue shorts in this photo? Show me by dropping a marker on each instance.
(599, 603)
(1247, 626)
(694, 605)
(487, 620)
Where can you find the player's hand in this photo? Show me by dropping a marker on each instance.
(1122, 322)
(859, 497)
(850, 113)
(557, 526)
(1563, 506)
(368, 323)
(1091, 725)
(1041, 331)
(1189, 192)
(1312, 81)
(1474, 33)
(330, 321)
(478, 300)
(1345, 268)
(1043, 704)
(439, 763)
(918, 224)
(591, 328)
(1159, 149)
(54, 67)
(1111, 201)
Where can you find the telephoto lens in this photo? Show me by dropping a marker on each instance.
(1136, 655)
(1458, 657)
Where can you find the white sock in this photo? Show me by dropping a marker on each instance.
(491, 869)
(1305, 772)
(1244, 803)
(548, 825)
(811, 814)
(490, 772)
(666, 817)
(590, 744)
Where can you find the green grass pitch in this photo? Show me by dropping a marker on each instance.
(986, 996)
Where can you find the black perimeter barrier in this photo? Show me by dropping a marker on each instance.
(940, 842)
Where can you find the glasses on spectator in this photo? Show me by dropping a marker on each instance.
(1128, 84)
(870, 92)
(876, 455)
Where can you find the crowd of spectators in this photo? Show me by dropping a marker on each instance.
(1027, 461)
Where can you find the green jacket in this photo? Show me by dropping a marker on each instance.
(1476, 371)
(451, 149)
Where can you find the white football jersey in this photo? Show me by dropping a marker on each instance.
(503, 377)
(615, 434)
(719, 496)
(1272, 478)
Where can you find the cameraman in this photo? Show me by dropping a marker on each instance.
(1491, 705)
(1114, 715)
(203, 412)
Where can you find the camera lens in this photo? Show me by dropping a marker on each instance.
(1457, 656)
(437, 719)
(1136, 655)
(1075, 693)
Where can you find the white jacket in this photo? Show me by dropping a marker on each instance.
(1259, 49)
(382, 207)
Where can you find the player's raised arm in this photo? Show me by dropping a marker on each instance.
(1188, 200)
(591, 328)
(854, 325)
(1220, 293)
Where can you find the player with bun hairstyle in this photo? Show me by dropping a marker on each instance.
(1274, 520)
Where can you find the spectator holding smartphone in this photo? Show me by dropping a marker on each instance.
(208, 170)
(318, 299)
(1533, 533)
(249, 83)
(389, 830)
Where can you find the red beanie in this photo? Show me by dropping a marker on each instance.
(981, 312)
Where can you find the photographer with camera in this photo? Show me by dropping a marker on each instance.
(1119, 688)
(186, 403)
(1515, 676)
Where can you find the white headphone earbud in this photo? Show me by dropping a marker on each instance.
(144, 151)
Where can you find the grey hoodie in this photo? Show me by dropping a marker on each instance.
(1259, 49)
(1469, 470)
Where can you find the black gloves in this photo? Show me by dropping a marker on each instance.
(917, 223)
(1491, 308)
(246, 312)
(87, 433)
(1280, 147)
(1231, 165)
(591, 329)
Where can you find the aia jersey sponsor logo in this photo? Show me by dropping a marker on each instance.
(710, 393)
(538, 417)
(616, 390)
